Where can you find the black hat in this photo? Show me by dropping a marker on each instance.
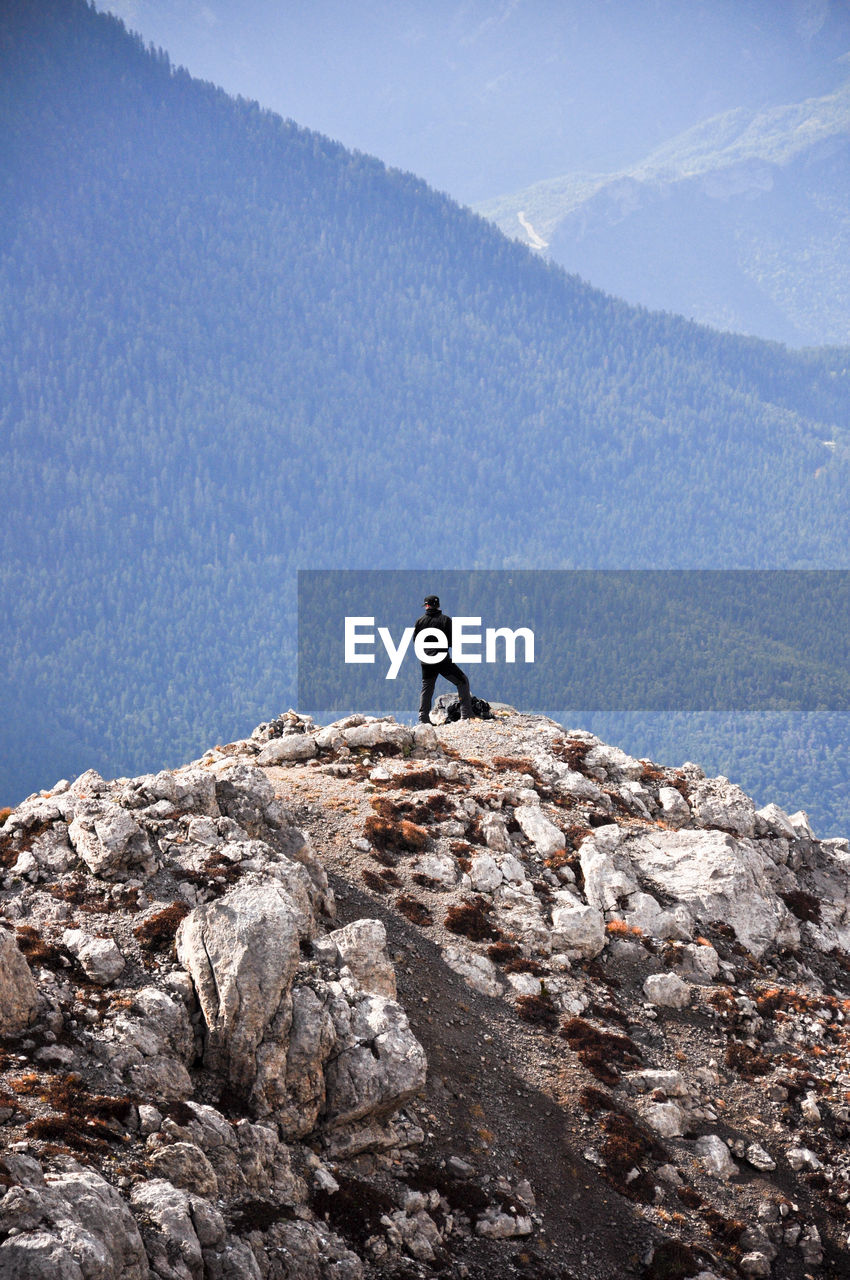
(433, 600)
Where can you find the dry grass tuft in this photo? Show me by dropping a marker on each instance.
(539, 1010)
(601, 1052)
(748, 1062)
(572, 751)
(619, 929)
(520, 964)
(38, 950)
(157, 932)
(803, 905)
(502, 952)
(469, 920)
(81, 1120)
(415, 910)
(402, 836)
(419, 779)
(374, 882)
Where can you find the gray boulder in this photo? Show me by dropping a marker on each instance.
(243, 793)
(288, 749)
(577, 929)
(186, 1238)
(717, 802)
(381, 1066)
(18, 992)
(100, 958)
(716, 876)
(109, 840)
(74, 1226)
(362, 946)
(241, 953)
(536, 827)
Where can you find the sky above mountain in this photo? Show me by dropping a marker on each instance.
(481, 97)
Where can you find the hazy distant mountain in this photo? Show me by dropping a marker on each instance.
(481, 97)
(231, 349)
(742, 222)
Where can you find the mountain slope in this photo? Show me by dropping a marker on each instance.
(481, 97)
(233, 348)
(377, 1002)
(740, 222)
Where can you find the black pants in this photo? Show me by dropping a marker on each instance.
(446, 668)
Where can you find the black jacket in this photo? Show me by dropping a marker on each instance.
(439, 620)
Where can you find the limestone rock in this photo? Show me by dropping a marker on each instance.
(18, 991)
(479, 971)
(713, 874)
(495, 833)
(544, 835)
(715, 1156)
(362, 945)
(109, 840)
(496, 1225)
(378, 733)
(755, 1264)
(185, 1165)
(698, 963)
(717, 802)
(577, 930)
(380, 1068)
(186, 1238)
(484, 873)
(615, 763)
(520, 913)
(288, 749)
(674, 807)
(644, 912)
(667, 990)
(670, 1082)
(190, 790)
(666, 1118)
(439, 867)
(244, 793)
(759, 1158)
(242, 952)
(100, 958)
(71, 1227)
(776, 821)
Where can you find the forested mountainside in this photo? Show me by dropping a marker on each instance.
(232, 349)
(741, 222)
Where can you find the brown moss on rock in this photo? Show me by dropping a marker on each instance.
(469, 920)
(538, 1010)
(603, 1053)
(414, 910)
(157, 932)
(400, 836)
(373, 881)
(747, 1061)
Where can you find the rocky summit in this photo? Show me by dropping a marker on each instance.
(485, 999)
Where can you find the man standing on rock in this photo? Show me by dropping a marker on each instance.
(434, 617)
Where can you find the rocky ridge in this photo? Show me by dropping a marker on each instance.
(465, 999)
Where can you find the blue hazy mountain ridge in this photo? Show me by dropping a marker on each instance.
(742, 222)
(233, 348)
(481, 97)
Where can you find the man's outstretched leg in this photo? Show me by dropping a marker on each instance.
(428, 682)
(458, 678)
